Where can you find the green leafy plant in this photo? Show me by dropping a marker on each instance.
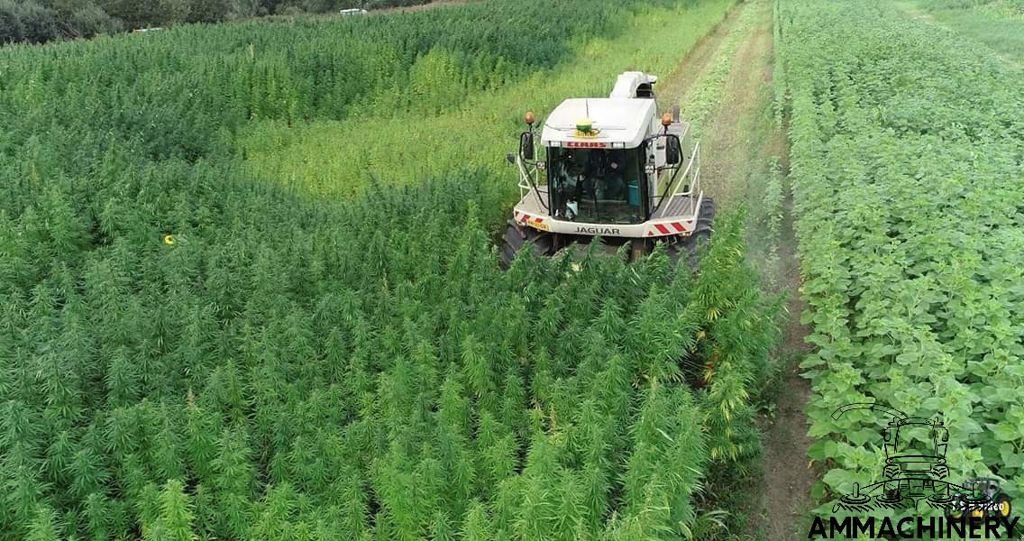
(905, 168)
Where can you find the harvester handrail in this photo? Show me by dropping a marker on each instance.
(694, 185)
(526, 183)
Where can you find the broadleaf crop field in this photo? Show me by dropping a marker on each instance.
(906, 170)
(249, 287)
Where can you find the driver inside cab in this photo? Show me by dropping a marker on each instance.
(610, 182)
(574, 174)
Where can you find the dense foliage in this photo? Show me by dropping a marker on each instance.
(179, 93)
(189, 352)
(454, 127)
(1005, 7)
(38, 21)
(283, 371)
(996, 24)
(906, 166)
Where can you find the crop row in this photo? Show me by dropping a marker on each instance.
(187, 351)
(906, 167)
(476, 127)
(281, 370)
(175, 93)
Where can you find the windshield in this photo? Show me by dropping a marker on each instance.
(597, 185)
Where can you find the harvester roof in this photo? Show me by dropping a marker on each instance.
(618, 122)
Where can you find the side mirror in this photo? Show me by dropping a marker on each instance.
(526, 145)
(673, 150)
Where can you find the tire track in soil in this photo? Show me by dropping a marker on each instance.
(689, 72)
(788, 478)
(740, 140)
(732, 153)
(788, 474)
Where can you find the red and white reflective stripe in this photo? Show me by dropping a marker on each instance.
(668, 228)
(526, 219)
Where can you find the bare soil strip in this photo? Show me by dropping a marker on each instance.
(733, 154)
(739, 144)
(788, 475)
(697, 61)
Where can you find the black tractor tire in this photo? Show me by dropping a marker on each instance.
(689, 248)
(1003, 506)
(518, 238)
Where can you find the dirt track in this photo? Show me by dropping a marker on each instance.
(740, 140)
(680, 82)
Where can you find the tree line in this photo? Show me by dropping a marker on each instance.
(40, 21)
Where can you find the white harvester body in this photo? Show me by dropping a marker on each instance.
(612, 167)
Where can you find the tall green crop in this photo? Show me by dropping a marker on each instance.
(280, 368)
(190, 352)
(906, 160)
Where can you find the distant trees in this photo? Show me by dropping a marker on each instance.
(90, 20)
(147, 13)
(11, 28)
(39, 21)
(208, 11)
(27, 21)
